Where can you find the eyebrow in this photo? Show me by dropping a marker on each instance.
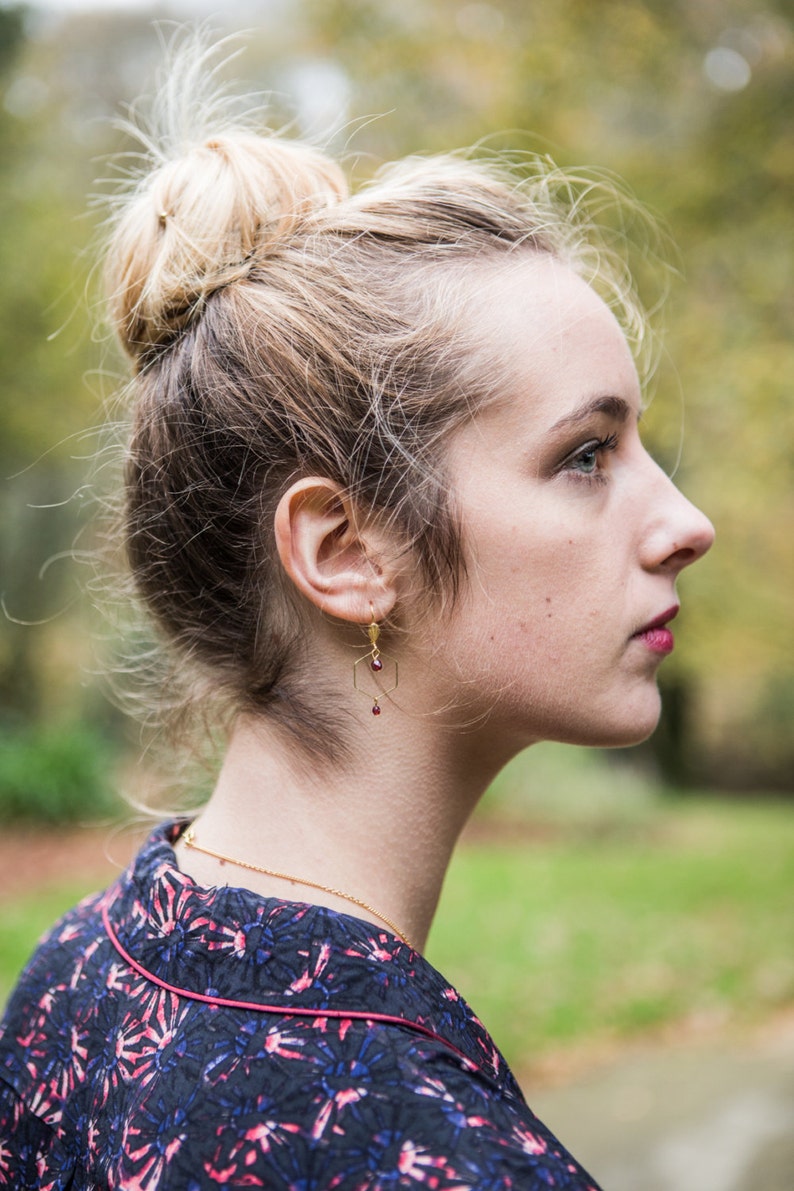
(614, 407)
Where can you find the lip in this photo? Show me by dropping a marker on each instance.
(655, 635)
(660, 621)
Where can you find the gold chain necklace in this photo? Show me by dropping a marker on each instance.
(189, 839)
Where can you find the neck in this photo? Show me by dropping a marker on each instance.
(380, 827)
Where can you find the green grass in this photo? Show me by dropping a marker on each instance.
(585, 906)
(570, 940)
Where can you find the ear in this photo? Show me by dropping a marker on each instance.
(335, 563)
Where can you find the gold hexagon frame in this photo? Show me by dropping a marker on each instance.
(386, 658)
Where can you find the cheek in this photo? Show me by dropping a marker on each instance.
(556, 611)
(540, 577)
(526, 615)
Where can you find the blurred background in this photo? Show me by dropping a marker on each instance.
(598, 899)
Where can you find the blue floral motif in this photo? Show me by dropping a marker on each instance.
(166, 1037)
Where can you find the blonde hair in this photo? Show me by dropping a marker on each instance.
(279, 325)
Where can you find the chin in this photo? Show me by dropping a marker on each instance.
(613, 732)
(625, 740)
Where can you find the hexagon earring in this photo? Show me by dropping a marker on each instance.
(375, 659)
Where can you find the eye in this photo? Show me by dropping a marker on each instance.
(587, 461)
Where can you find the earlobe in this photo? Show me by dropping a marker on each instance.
(330, 560)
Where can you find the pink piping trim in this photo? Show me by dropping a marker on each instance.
(283, 1010)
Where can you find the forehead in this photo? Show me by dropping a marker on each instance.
(547, 336)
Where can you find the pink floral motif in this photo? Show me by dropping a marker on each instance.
(337, 1102)
(278, 1043)
(530, 1142)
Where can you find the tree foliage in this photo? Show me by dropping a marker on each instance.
(692, 103)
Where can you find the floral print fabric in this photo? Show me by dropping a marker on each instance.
(173, 1037)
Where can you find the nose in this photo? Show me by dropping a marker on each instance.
(679, 533)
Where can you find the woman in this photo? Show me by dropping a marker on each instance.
(387, 504)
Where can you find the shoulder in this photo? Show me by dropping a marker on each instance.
(338, 1103)
(365, 1102)
(438, 1118)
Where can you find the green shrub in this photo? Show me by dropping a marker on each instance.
(60, 774)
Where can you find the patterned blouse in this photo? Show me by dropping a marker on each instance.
(182, 1038)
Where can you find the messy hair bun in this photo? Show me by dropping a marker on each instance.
(199, 222)
(279, 328)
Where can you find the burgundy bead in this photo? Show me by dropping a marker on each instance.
(375, 709)
(376, 664)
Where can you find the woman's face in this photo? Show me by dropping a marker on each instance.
(573, 536)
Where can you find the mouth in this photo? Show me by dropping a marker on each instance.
(655, 635)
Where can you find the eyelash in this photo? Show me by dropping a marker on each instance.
(598, 447)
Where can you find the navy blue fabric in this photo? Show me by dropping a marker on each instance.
(350, 1064)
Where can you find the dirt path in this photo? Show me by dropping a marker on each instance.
(708, 1115)
(34, 859)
